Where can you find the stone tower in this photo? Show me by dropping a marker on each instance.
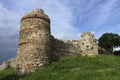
(88, 44)
(34, 42)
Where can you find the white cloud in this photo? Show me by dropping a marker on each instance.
(61, 21)
(104, 12)
(61, 16)
(9, 27)
(68, 36)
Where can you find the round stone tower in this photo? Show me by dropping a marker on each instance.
(34, 42)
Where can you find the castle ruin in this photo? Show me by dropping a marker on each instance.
(37, 47)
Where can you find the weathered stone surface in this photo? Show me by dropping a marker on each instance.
(37, 47)
(9, 63)
(85, 46)
(88, 44)
(4, 66)
(66, 47)
(34, 42)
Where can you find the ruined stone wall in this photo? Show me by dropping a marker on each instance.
(9, 63)
(85, 46)
(88, 44)
(37, 47)
(66, 47)
(34, 42)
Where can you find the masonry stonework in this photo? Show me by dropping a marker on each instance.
(88, 44)
(37, 46)
(34, 41)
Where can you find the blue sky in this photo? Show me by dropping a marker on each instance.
(69, 18)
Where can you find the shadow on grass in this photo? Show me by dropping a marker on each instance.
(11, 77)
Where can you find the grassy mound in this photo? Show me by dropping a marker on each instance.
(104, 67)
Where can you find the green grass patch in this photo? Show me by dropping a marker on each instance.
(103, 67)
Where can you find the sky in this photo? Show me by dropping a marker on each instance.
(69, 18)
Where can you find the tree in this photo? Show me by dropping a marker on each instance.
(109, 41)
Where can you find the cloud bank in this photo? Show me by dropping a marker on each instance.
(68, 19)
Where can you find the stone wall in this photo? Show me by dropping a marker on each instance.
(9, 63)
(66, 47)
(85, 46)
(37, 47)
(88, 44)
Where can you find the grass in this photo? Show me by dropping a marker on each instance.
(103, 67)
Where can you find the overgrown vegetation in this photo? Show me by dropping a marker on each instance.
(103, 67)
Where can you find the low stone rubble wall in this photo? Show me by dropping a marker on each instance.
(7, 64)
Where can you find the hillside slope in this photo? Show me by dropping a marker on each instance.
(104, 67)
